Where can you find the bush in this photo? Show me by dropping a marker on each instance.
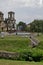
(34, 55)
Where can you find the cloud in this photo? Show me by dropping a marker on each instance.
(28, 3)
(26, 10)
(40, 2)
(21, 3)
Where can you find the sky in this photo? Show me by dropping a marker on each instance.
(25, 10)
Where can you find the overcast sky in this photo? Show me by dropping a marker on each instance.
(25, 10)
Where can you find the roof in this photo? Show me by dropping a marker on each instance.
(1, 13)
(11, 12)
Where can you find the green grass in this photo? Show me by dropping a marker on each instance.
(18, 44)
(40, 38)
(12, 62)
(22, 45)
(14, 43)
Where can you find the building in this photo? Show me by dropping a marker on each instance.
(9, 23)
(11, 20)
(2, 24)
(28, 25)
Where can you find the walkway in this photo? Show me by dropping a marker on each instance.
(34, 41)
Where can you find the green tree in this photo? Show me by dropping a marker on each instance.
(36, 26)
(22, 26)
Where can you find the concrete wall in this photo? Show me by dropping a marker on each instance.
(9, 55)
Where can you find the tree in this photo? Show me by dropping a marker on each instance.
(22, 26)
(36, 26)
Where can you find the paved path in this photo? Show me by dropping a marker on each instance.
(34, 41)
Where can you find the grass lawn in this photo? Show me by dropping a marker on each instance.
(22, 44)
(17, 43)
(40, 38)
(14, 43)
(12, 62)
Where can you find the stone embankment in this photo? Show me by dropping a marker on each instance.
(34, 41)
(9, 55)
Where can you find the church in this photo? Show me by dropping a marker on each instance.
(8, 24)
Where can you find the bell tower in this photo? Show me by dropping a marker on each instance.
(12, 20)
(2, 25)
